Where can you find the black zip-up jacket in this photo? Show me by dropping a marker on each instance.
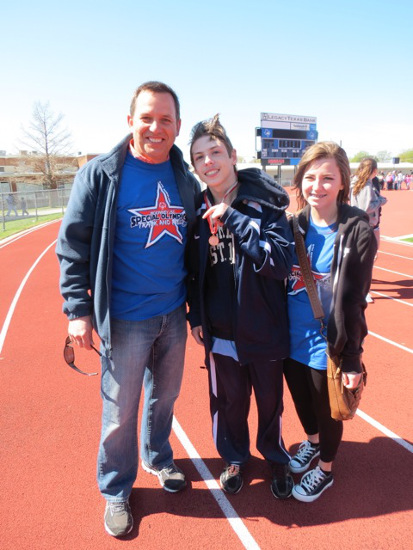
(263, 259)
(351, 270)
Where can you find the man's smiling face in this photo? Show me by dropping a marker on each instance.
(154, 126)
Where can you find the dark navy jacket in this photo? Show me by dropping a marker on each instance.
(85, 243)
(263, 259)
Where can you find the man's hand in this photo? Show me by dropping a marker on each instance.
(80, 331)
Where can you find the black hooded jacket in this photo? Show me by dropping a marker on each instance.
(351, 270)
(263, 258)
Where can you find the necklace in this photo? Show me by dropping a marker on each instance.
(213, 239)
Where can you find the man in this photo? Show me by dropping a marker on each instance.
(237, 303)
(121, 249)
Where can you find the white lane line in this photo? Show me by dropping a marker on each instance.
(12, 307)
(385, 431)
(235, 521)
(227, 509)
(400, 346)
(395, 255)
(396, 240)
(391, 298)
(17, 236)
(395, 272)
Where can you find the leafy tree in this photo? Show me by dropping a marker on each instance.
(359, 156)
(406, 156)
(50, 140)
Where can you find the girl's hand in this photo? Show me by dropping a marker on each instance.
(351, 379)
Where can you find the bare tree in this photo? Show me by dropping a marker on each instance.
(383, 156)
(50, 141)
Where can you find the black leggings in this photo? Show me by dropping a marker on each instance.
(308, 389)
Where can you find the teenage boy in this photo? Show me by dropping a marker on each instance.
(241, 253)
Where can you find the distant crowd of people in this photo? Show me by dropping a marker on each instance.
(395, 180)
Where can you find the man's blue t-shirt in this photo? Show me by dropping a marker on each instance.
(306, 342)
(148, 277)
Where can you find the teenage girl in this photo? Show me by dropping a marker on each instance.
(341, 248)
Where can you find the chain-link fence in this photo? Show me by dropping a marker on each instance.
(32, 204)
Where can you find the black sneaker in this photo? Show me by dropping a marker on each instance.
(171, 478)
(282, 481)
(312, 485)
(231, 479)
(118, 519)
(301, 461)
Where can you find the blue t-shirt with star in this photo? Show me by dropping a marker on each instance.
(148, 276)
(306, 342)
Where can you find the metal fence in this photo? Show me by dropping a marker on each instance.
(32, 204)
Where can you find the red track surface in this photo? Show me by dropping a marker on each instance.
(50, 423)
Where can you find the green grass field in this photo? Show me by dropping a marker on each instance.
(21, 224)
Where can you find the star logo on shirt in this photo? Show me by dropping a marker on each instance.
(297, 280)
(163, 218)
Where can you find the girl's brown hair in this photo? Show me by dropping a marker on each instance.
(363, 173)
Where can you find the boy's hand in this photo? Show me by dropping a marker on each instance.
(197, 334)
(215, 213)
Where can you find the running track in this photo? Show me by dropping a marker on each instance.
(50, 419)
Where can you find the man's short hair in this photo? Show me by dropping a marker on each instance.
(213, 128)
(157, 88)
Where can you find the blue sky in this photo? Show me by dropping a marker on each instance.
(349, 64)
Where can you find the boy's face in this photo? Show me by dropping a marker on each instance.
(212, 163)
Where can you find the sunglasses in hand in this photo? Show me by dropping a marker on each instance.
(69, 355)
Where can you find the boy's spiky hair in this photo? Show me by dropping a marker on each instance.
(213, 128)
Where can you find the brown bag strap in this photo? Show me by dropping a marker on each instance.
(316, 306)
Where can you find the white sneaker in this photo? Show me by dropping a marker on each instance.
(312, 485)
(301, 461)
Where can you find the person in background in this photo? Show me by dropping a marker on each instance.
(400, 180)
(242, 251)
(364, 194)
(11, 205)
(341, 248)
(389, 181)
(121, 249)
(23, 206)
(380, 180)
(408, 180)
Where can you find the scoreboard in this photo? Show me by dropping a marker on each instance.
(284, 138)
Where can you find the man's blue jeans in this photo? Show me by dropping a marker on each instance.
(148, 353)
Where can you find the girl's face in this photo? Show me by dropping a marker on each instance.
(321, 185)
